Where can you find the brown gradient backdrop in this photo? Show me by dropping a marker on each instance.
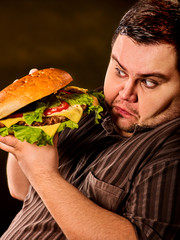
(74, 35)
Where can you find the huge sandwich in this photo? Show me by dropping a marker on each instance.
(34, 108)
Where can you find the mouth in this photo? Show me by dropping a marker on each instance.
(123, 112)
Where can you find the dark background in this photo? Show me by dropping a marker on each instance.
(73, 35)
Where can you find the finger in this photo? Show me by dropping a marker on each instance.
(8, 143)
(6, 148)
(33, 70)
(9, 140)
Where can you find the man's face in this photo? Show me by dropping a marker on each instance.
(142, 84)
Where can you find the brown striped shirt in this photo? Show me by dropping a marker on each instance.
(135, 177)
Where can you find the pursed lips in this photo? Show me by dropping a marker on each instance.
(124, 111)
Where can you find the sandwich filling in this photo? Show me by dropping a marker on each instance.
(40, 120)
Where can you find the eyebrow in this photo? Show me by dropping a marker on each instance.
(114, 58)
(145, 75)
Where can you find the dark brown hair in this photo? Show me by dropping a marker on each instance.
(152, 22)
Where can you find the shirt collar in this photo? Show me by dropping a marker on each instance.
(109, 126)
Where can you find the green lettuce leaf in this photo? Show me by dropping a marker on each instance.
(98, 95)
(97, 110)
(35, 116)
(88, 100)
(71, 99)
(4, 131)
(67, 124)
(34, 135)
(80, 99)
(37, 135)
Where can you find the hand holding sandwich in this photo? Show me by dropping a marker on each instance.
(33, 160)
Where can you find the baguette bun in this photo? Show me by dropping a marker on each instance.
(31, 88)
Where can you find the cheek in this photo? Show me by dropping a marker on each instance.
(107, 94)
(110, 93)
(149, 105)
(110, 88)
(154, 105)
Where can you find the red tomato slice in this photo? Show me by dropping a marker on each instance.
(64, 91)
(15, 115)
(48, 111)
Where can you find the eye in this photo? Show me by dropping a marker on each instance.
(148, 83)
(120, 72)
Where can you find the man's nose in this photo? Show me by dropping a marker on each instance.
(128, 92)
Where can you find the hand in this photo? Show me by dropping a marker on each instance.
(36, 162)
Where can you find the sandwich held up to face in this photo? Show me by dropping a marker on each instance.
(40, 104)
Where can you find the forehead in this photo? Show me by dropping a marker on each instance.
(144, 58)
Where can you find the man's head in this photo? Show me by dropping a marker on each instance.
(152, 22)
(142, 84)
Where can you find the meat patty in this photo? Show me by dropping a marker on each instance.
(45, 121)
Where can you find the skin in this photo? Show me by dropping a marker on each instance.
(142, 85)
(145, 90)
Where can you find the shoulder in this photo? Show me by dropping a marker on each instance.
(153, 201)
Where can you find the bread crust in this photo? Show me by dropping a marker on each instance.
(31, 88)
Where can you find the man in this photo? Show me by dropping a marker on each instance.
(119, 179)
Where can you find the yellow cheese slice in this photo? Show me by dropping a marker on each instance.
(74, 113)
(49, 129)
(10, 121)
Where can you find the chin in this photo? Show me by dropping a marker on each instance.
(125, 125)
